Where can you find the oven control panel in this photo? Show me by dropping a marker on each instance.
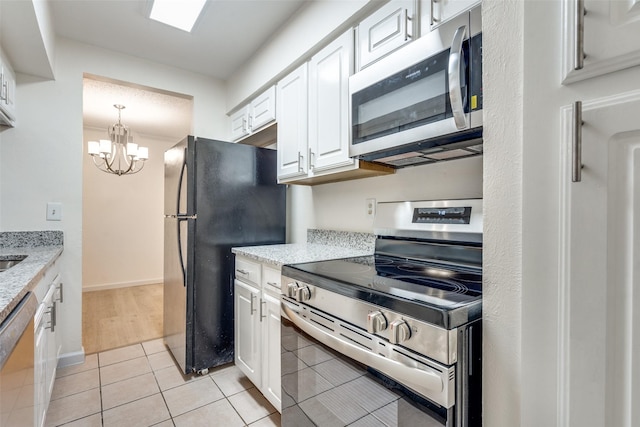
(433, 341)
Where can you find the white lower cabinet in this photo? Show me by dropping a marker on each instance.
(600, 247)
(47, 345)
(257, 326)
(247, 327)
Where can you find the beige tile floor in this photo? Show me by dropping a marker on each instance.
(140, 385)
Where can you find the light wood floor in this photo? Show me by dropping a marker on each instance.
(119, 317)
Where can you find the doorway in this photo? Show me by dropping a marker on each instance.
(122, 232)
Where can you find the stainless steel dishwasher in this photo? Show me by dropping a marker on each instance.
(16, 364)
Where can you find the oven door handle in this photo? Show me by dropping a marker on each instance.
(455, 85)
(415, 378)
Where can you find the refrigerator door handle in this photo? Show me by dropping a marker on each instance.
(180, 256)
(180, 178)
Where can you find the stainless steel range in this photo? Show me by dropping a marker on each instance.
(392, 339)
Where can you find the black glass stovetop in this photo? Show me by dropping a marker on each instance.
(394, 282)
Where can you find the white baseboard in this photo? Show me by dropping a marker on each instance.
(68, 359)
(107, 286)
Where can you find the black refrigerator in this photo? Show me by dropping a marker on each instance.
(217, 195)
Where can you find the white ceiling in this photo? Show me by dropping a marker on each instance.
(146, 111)
(226, 35)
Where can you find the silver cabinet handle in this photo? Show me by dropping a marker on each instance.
(250, 123)
(311, 158)
(52, 317)
(455, 86)
(273, 283)
(251, 307)
(242, 271)
(300, 159)
(61, 288)
(407, 22)
(576, 143)
(262, 316)
(579, 35)
(433, 19)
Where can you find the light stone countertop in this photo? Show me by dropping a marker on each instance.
(23, 277)
(294, 253)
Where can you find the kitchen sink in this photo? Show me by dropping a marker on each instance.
(9, 262)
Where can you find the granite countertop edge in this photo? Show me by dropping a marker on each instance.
(16, 282)
(296, 253)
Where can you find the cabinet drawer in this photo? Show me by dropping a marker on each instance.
(248, 271)
(271, 279)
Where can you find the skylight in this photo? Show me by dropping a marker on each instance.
(181, 14)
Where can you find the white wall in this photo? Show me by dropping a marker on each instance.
(122, 233)
(342, 205)
(503, 76)
(42, 157)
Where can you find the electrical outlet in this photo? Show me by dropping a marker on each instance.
(371, 208)
(54, 211)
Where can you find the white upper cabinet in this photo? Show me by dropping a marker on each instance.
(254, 116)
(263, 110)
(7, 92)
(435, 12)
(600, 36)
(313, 120)
(240, 123)
(291, 93)
(385, 30)
(329, 72)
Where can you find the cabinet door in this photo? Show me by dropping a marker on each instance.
(385, 30)
(271, 349)
(59, 299)
(329, 72)
(263, 109)
(40, 366)
(599, 340)
(291, 94)
(435, 12)
(51, 346)
(240, 124)
(611, 35)
(247, 330)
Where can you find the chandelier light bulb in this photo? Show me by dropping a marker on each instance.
(93, 147)
(132, 149)
(143, 153)
(105, 146)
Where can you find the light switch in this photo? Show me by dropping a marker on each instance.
(54, 211)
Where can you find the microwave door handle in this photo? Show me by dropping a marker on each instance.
(455, 87)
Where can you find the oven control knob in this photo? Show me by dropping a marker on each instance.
(376, 322)
(399, 331)
(292, 289)
(304, 293)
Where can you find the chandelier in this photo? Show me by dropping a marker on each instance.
(119, 155)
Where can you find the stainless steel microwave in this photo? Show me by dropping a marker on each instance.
(422, 103)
